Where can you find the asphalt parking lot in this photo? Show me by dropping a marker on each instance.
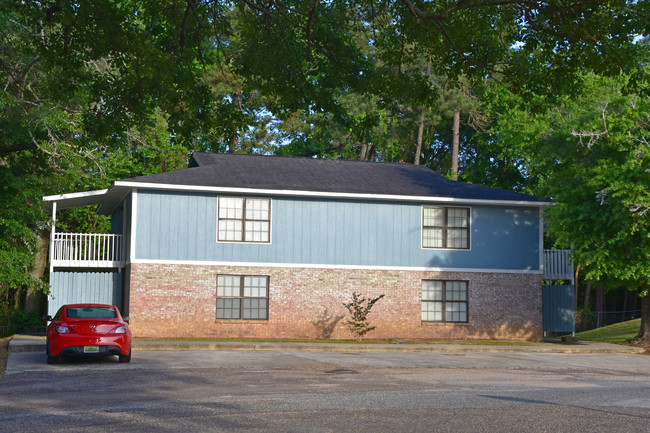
(264, 389)
(175, 356)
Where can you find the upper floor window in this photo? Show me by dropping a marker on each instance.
(445, 227)
(244, 219)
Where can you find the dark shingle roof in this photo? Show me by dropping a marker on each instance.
(324, 175)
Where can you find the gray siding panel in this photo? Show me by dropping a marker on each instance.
(558, 307)
(182, 226)
(117, 221)
(84, 287)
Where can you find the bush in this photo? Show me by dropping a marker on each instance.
(17, 321)
(585, 319)
(358, 323)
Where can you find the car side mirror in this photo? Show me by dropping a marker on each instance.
(126, 319)
(47, 318)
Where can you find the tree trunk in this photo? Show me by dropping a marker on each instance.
(587, 303)
(455, 145)
(631, 301)
(418, 144)
(364, 151)
(34, 297)
(372, 153)
(600, 306)
(576, 274)
(233, 145)
(644, 332)
(236, 99)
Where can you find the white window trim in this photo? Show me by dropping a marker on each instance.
(444, 301)
(242, 242)
(469, 229)
(242, 297)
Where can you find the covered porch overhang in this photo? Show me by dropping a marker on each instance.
(87, 250)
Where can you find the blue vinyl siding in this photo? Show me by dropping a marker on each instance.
(117, 221)
(182, 226)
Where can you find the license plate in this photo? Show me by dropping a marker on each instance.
(91, 349)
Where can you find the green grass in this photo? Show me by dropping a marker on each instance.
(619, 333)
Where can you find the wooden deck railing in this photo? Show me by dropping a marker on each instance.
(558, 265)
(88, 250)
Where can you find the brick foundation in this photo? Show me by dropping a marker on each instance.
(180, 301)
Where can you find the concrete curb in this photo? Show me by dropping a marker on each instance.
(582, 347)
(30, 343)
(27, 343)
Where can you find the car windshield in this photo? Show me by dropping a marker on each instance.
(91, 313)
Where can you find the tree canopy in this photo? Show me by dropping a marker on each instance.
(534, 95)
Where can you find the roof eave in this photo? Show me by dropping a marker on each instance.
(324, 194)
(76, 199)
(106, 200)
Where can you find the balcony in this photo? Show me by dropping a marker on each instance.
(558, 265)
(88, 250)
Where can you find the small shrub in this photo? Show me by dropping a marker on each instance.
(16, 321)
(358, 323)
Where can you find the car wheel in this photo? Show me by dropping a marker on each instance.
(51, 359)
(125, 358)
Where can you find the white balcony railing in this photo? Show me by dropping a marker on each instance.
(88, 250)
(558, 265)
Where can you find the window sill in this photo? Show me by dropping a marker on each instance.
(242, 321)
(445, 324)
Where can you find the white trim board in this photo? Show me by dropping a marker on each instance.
(541, 241)
(299, 193)
(134, 223)
(75, 195)
(330, 266)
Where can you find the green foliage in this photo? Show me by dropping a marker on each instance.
(21, 214)
(598, 153)
(99, 90)
(588, 314)
(15, 321)
(358, 323)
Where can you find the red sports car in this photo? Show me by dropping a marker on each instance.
(88, 329)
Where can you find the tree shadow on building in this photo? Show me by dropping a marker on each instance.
(325, 324)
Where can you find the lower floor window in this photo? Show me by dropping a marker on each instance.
(444, 301)
(242, 297)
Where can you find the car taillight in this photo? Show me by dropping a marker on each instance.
(120, 329)
(62, 329)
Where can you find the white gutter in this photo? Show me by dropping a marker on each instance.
(73, 195)
(52, 236)
(319, 194)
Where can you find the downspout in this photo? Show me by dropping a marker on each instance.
(542, 268)
(541, 241)
(574, 281)
(134, 216)
(130, 256)
(52, 241)
(125, 238)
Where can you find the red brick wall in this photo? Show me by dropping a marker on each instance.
(180, 301)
